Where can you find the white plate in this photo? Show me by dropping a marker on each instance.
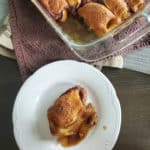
(43, 87)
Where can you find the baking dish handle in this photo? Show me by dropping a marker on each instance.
(144, 16)
(135, 36)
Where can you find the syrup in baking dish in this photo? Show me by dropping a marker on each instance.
(77, 30)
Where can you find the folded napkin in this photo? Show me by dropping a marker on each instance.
(36, 43)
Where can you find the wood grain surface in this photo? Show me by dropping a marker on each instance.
(133, 90)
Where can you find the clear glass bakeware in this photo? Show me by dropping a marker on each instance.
(87, 46)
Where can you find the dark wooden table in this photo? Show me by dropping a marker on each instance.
(133, 90)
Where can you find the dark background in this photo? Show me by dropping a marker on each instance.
(133, 90)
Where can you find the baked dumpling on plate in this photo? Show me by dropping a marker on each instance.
(70, 117)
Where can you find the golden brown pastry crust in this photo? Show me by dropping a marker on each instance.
(98, 17)
(118, 7)
(135, 5)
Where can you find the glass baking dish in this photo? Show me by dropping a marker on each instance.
(87, 46)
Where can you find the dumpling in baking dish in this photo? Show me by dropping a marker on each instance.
(135, 5)
(118, 7)
(56, 8)
(98, 18)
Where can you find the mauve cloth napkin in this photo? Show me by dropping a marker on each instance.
(37, 44)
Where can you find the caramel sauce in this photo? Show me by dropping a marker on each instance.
(80, 134)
